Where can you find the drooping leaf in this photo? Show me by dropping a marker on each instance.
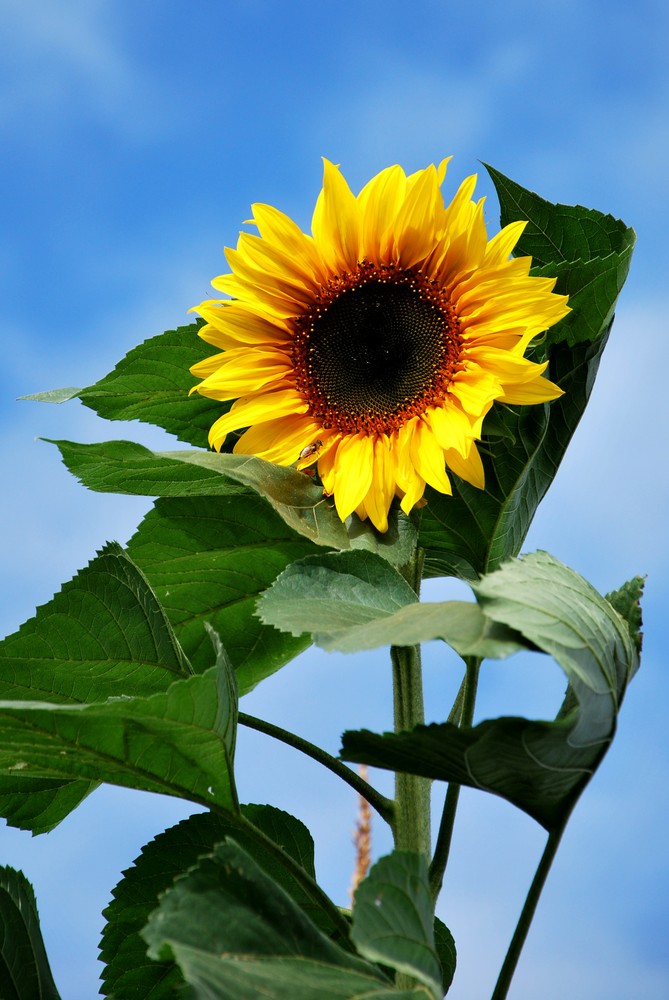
(234, 932)
(152, 384)
(25, 973)
(126, 467)
(177, 742)
(474, 531)
(128, 970)
(207, 560)
(393, 921)
(541, 767)
(353, 601)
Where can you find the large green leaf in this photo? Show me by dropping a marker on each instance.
(354, 600)
(393, 919)
(541, 767)
(556, 233)
(128, 970)
(207, 559)
(152, 384)
(234, 932)
(24, 967)
(473, 531)
(178, 742)
(103, 635)
(126, 467)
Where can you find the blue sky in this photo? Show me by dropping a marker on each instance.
(135, 136)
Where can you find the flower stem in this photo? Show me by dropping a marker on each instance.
(383, 806)
(527, 913)
(462, 714)
(412, 793)
(411, 827)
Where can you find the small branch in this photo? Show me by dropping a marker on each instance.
(461, 714)
(383, 806)
(527, 913)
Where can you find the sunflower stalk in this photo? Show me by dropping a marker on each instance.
(412, 793)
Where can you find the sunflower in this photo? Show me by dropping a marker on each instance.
(375, 347)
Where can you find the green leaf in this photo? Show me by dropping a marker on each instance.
(177, 742)
(353, 601)
(128, 970)
(24, 966)
(207, 560)
(125, 467)
(235, 933)
(541, 767)
(39, 804)
(393, 919)
(326, 594)
(104, 634)
(557, 233)
(445, 945)
(474, 531)
(152, 384)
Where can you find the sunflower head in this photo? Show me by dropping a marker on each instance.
(374, 347)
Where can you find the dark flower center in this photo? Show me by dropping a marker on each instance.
(380, 346)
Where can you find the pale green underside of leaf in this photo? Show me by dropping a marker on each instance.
(24, 968)
(352, 601)
(539, 766)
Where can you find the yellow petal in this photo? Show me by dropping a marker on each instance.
(428, 458)
(250, 410)
(352, 472)
(281, 440)
(541, 390)
(336, 221)
(470, 468)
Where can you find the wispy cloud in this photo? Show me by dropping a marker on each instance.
(63, 60)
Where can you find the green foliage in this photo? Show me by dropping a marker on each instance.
(208, 559)
(474, 531)
(541, 767)
(152, 384)
(24, 967)
(393, 919)
(234, 932)
(128, 970)
(131, 674)
(353, 601)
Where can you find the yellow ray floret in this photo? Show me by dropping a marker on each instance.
(374, 347)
